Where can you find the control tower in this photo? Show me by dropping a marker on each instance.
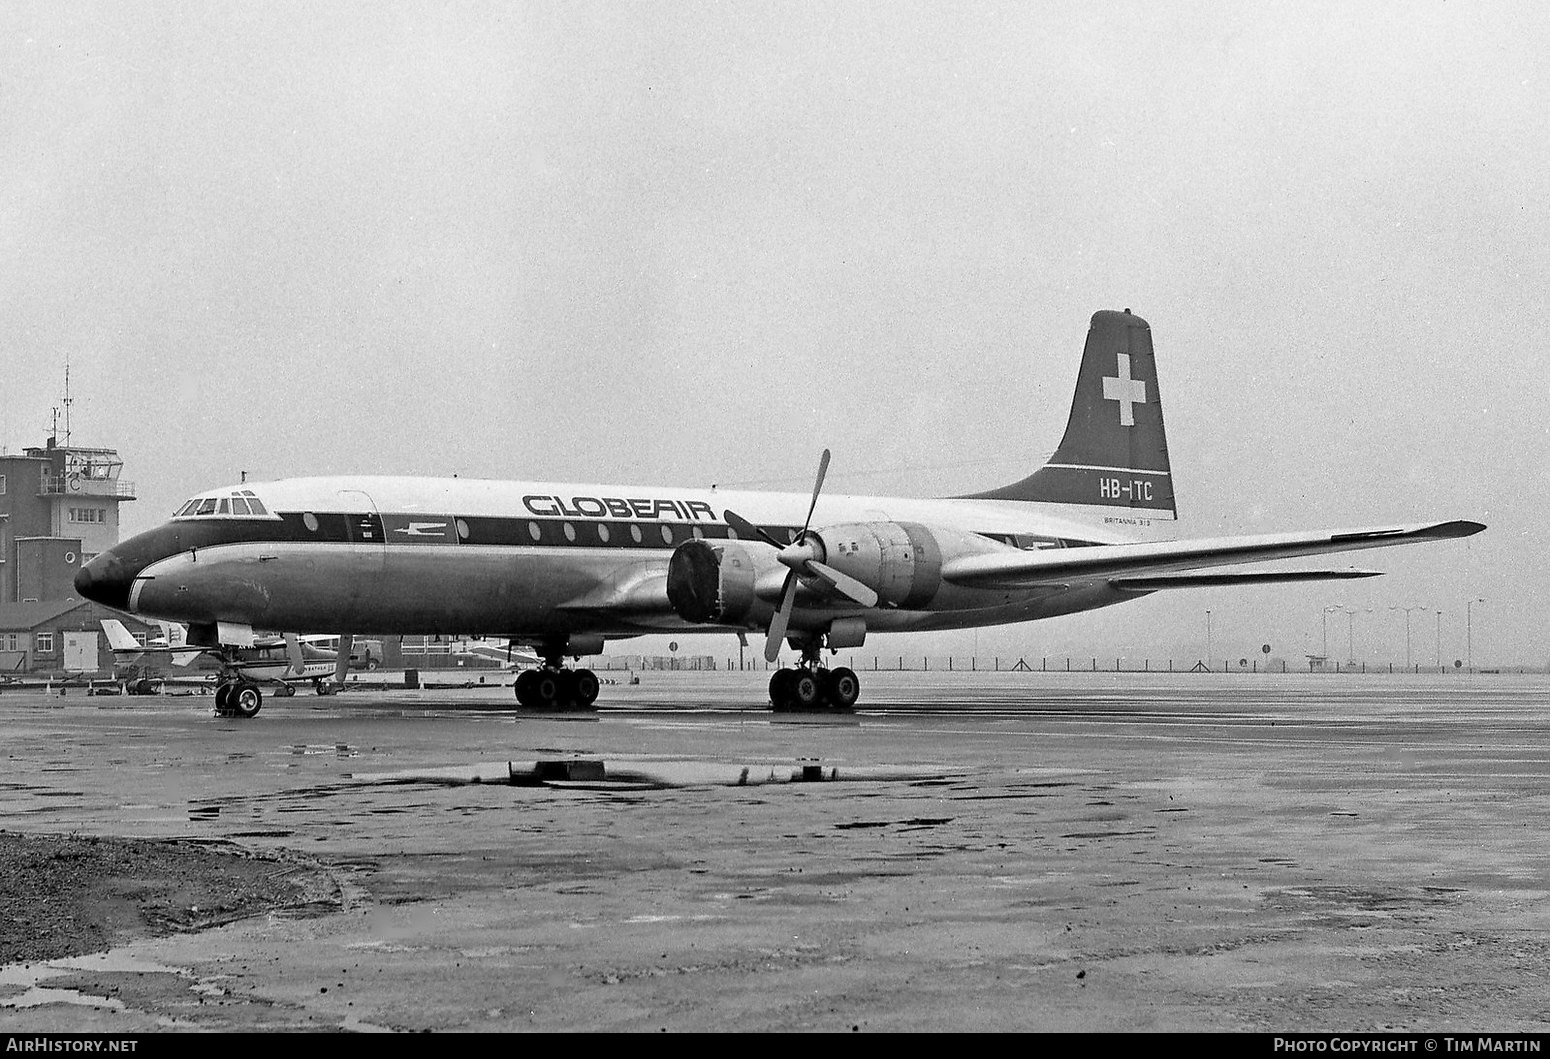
(58, 509)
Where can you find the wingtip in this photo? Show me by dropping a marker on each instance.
(1458, 528)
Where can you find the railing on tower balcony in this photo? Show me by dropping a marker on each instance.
(81, 485)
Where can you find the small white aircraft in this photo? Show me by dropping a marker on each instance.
(282, 660)
(564, 567)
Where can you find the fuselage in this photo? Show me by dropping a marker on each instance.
(529, 560)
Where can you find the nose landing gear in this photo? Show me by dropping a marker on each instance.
(236, 697)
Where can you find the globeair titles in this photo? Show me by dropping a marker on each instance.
(616, 507)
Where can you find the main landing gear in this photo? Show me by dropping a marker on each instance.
(237, 697)
(553, 687)
(811, 687)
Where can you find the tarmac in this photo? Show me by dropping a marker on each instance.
(967, 851)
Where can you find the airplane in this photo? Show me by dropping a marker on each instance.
(282, 660)
(562, 568)
(478, 649)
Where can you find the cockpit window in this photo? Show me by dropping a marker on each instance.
(239, 503)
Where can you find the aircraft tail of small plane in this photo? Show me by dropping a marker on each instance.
(1114, 453)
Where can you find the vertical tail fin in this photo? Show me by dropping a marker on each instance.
(1114, 453)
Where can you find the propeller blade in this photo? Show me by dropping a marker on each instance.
(845, 583)
(748, 531)
(823, 469)
(293, 652)
(778, 623)
(342, 659)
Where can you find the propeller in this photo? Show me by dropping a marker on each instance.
(803, 557)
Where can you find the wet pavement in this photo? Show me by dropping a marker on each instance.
(968, 851)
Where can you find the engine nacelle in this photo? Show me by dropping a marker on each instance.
(711, 584)
(900, 561)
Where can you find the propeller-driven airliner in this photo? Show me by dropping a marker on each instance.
(563, 568)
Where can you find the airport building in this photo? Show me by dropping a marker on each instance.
(60, 636)
(58, 508)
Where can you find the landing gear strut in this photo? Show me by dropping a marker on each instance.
(553, 687)
(811, 687)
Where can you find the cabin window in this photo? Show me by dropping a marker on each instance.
(533, 531)
(224, 507)
(206, 507)
(667, 534)
(239, 506)
(635, 532)
(602, 532)
(699, 534)
(570, 532)
(310, 521)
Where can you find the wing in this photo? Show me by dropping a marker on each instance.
(1141, 564)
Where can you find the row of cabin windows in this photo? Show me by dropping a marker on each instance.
(603, 534)
(597, 533)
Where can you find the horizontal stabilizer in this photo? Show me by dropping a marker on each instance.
(1166, 581)
(1014, 568)
(119, 637)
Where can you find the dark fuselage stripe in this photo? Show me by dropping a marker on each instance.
(470, 530)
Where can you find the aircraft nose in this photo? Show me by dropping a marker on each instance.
(105, 580)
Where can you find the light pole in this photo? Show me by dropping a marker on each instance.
(1407, 611)
(1469, 632)
(1332, 608)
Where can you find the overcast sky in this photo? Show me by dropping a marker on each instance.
(677, 243)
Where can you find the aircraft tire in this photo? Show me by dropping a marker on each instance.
(245, 700)
(222, 698)
(842, 687)
(547, 691)
(780, 688)
(586, 688)
(525, 681)
(806, 690)
(284, 691)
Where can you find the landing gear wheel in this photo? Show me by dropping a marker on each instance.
(245, 700)
(780, 688)
(525, 681)
(806, 691)
(547, 690)
(223, 698)
(284, 691)
(842, 688)
(586, 688)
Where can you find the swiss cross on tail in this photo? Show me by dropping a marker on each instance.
(1127, 391)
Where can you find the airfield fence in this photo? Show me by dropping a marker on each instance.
(1095, 664)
